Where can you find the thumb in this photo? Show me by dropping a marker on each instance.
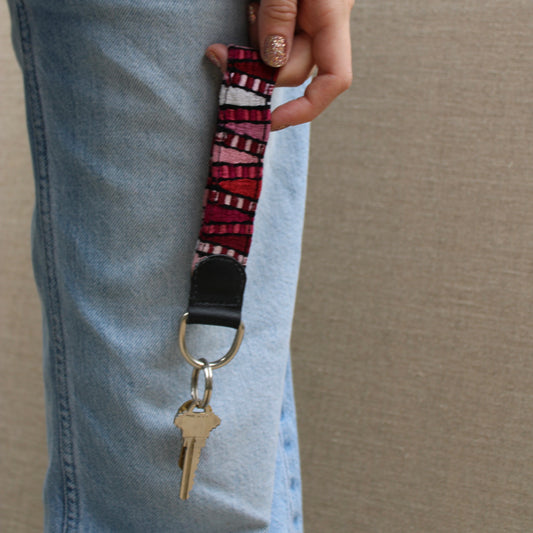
(277, 20)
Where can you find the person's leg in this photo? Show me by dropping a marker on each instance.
(121, 108)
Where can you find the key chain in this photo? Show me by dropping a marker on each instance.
(230, 201)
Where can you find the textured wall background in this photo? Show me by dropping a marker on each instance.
(413, 339)
(22, 426)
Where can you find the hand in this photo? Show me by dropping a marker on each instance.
(296, 37)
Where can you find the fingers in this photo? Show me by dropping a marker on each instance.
(218, 55)
(276, 24)
(300, 64)
(331, 50)
(323, 38)
(294, 73)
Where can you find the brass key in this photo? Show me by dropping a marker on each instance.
(195, 428)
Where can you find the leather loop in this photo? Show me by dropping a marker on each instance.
(217, 289)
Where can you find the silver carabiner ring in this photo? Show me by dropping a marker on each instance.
(208, 385)
(197, 363)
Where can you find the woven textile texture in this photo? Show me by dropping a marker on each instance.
(234, 182)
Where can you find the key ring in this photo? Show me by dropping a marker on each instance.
(197, 363)
(208, 385)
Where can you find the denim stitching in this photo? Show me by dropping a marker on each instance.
(36, 123)
(288, 445)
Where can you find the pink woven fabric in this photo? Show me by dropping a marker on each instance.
(236, 172)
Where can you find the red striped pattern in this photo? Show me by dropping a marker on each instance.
(228, 200)
(245, 115)
(237, 229)
(233, 140)
(253, 84)
(234, 185)
(231, 171)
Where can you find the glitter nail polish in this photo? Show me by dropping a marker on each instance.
(275, 50)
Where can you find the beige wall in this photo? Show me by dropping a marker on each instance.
(22, 428)
(413, 339)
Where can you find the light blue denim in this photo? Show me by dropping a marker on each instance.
(121, 108)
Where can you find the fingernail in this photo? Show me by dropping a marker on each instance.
(275, 50)
(252, 13)
(213, 58)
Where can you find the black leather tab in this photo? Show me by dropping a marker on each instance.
(217, 289)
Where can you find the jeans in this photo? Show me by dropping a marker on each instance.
(121, 108)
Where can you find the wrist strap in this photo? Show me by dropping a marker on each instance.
(232, 191)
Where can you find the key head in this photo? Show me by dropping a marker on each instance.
(196, 424)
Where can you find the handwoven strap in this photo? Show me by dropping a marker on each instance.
(232, 190)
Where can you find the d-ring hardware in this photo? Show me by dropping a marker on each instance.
(197, 363)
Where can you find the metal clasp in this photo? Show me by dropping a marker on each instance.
(201, 364)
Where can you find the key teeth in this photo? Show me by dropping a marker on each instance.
(187, 484)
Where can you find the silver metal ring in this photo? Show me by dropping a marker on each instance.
(208, 385)
(197, 363)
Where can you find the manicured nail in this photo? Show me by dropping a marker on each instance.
(275, 50)
(214, 59)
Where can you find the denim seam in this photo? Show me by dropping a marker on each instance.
(57, 341)
(288, 472)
